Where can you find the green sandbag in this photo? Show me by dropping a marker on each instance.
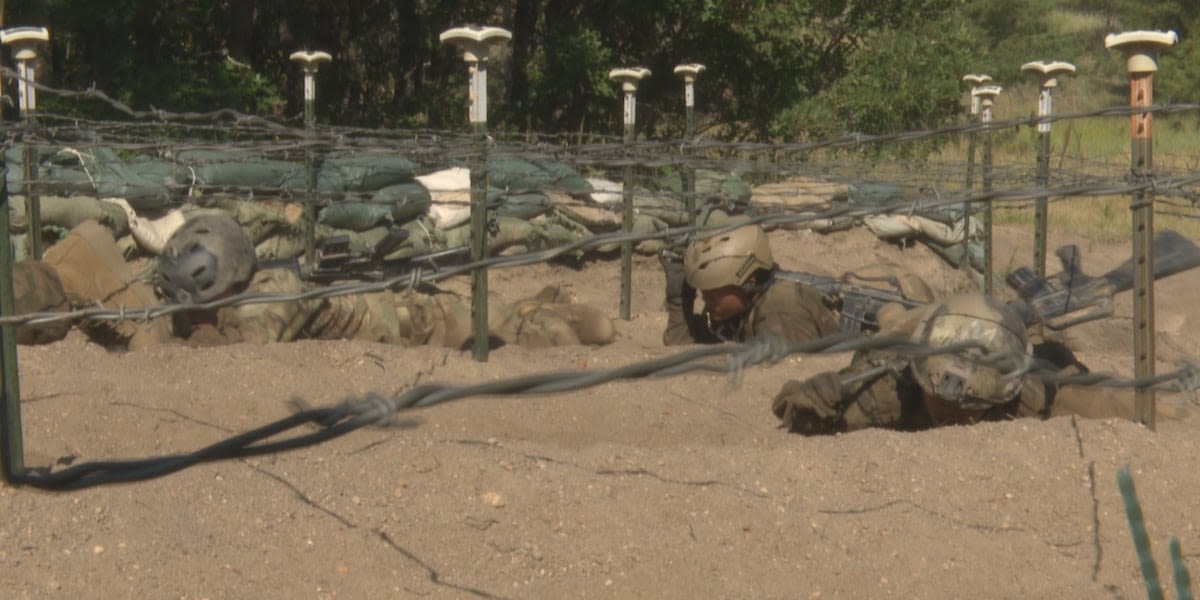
(199, 156)
(407, 200)
(875, 193)
(262, 174)
(367, 172)
(355, 216)
(524, 206)
(709, 183)
(953, 254)
(519, 175)
(14, 160)
(564, 177)
(353, 173)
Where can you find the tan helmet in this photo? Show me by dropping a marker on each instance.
(727, 259)
(960, 379)
(206, 257)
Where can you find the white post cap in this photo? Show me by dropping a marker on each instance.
(1049, 71)
(976, 79)
(24, 40)
(1140, 45)
(310, 60)
(689, 71)
(629, 77)
(475, 40)
(986, 93)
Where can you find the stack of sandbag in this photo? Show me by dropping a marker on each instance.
(942, 228)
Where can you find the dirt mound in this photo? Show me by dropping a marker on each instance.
(677, 487)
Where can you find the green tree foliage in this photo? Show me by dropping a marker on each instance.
(779, 71)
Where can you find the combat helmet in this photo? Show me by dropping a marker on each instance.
(206, 257)
(727, 259)
(960, 379)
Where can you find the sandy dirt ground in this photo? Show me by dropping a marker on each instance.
(677, 487)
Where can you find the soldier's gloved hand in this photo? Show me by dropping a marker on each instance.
(672, 264)
(810, 407)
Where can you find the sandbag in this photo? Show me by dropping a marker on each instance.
(407, 200)
(360, 172)
(355, 216)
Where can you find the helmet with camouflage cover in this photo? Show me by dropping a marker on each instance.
(205, 258)
(960, 379)
(727, 259)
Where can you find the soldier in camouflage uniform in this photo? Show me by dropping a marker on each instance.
(85, 270)
(210, 258)
(733, 273)
(888, 389)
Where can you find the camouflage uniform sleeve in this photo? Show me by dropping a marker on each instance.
(685, 327)
(792, 312)
(267, 322)
(835, 402)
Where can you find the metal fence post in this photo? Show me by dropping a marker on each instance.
(476, 42)
(25, 42)
(311, 62)
(689, 72)
(976, 80)
(987, 95)
(628, 78)
(1049, 72)
(11, 445)
(1141, 47)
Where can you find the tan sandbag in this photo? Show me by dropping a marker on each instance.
(450, 196)
(596, 218)
(804, 186)
(94, 274)
(893, 278)
(36, 288)
(450, 211)
(605, 192)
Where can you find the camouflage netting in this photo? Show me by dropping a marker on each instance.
(536, 204)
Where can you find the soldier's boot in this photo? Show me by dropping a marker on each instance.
(94, 274)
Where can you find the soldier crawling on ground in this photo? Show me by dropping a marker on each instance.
(988, 382)
(745, 296)
(210, 257)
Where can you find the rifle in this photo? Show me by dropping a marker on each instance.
(1071, 297)
(1062, 300)
(858, 304)
(336, 261)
